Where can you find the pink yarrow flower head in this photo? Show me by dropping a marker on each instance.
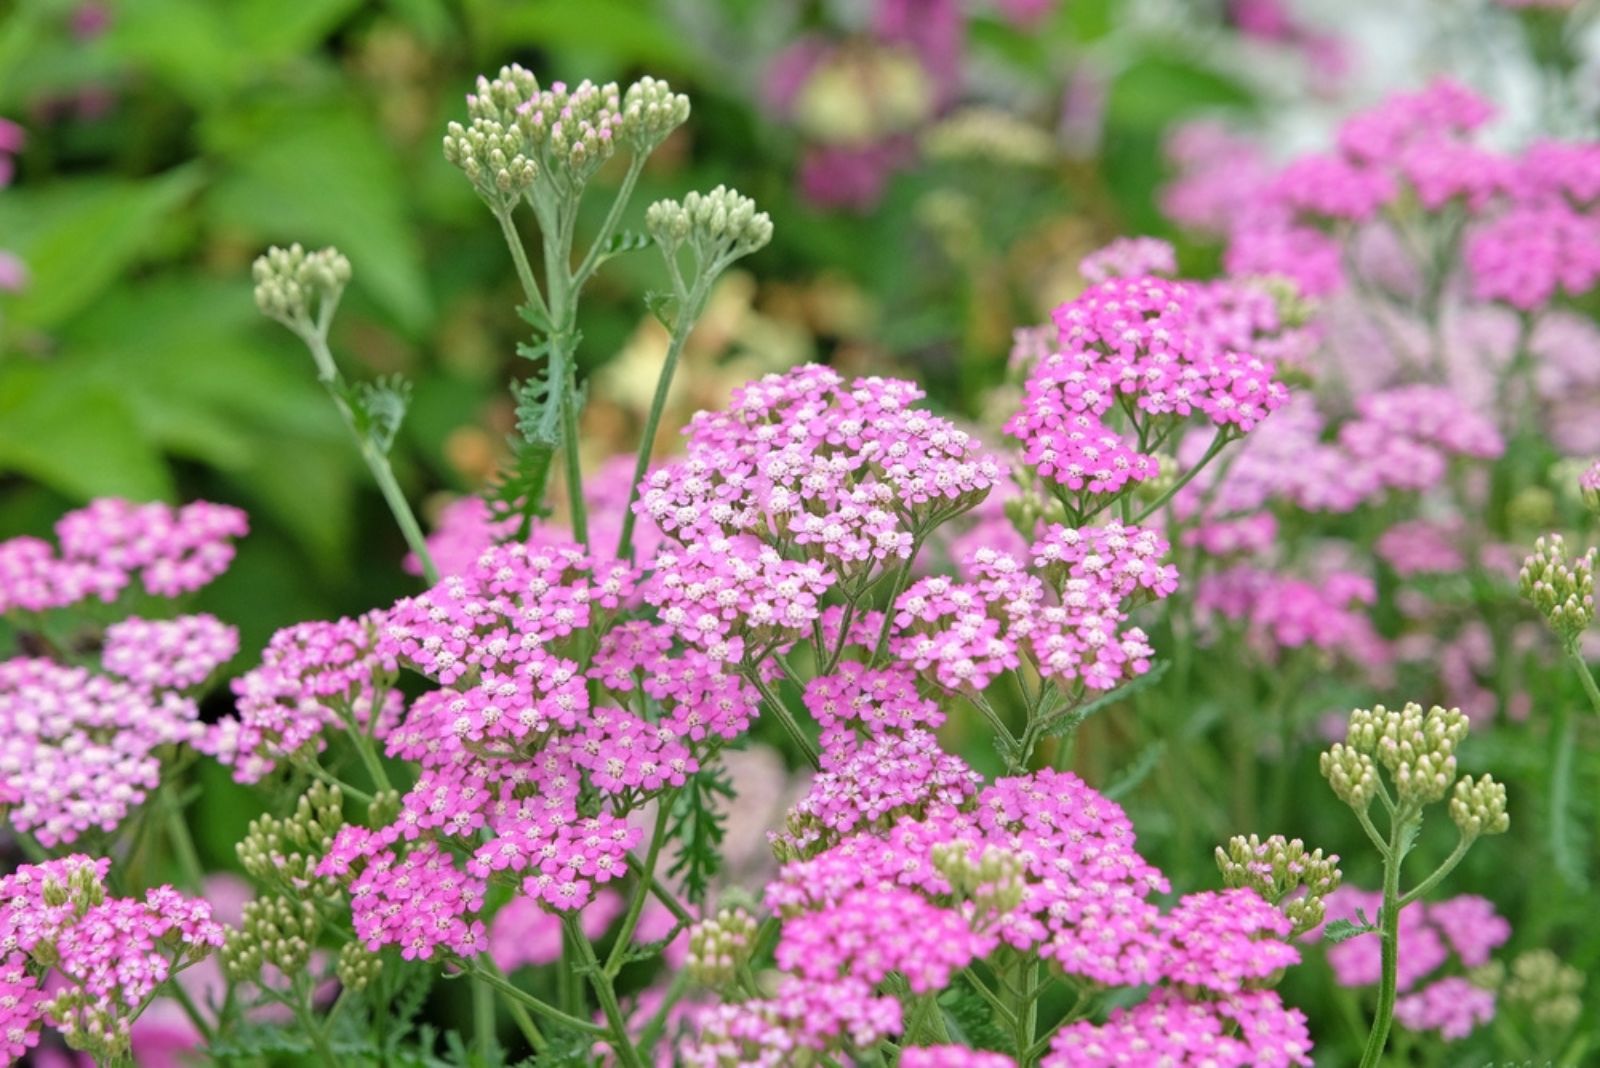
(1129, 257)
(1132, 351)
(313, 676)
(848, 473)
(84, 962)
(111, 545)
(1247, 1030)
(78, 750)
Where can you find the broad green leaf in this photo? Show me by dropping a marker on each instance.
(80, 439)
(323, 177)
(78, 236)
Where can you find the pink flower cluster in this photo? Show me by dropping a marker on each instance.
(1400, 440)
(79, 750)
(881, 900)
(60, 931)
(1066, 616)
(109, 544)
(803, 1015)
(1465, 926)
(168, 654)
(312, 676)
(846, 476)
(1138, 349)
(1249, 1030)
(1129, 257)
(1280, 612)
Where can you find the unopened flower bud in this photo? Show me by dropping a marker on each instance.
(651, 111)
(1352, 775)
(1560, 589)
(299, 288)
(357, 966)
(719, 946)
(1284, 873)
(1479, 807)
(1417, 748)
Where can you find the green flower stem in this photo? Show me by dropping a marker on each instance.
(192, 1011)
(784, 717)
(486, 970)
(316, 339)
(1389, 932)
(621, 1045)
(519, 256)
(1027, 1014)
(1220, 439)
(183, 849)
(483, 1019)
(662, 892)
(688, 316)
(1000, 1008)
(1585, 676)
(1463, 844)
(369, 756)
(641, 893)
(592, 258)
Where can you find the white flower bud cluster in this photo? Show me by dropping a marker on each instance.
(285, 852)
(1559, 588)
(491, 149)
(1479, 807)
(358, 966)
(994, 882)
(573, 132)
(718, 227)
(1279, 869)
(719, 946)
(1547, 988)
(279, 931)
(650, 112)
(297, 287)
(1417, 748)
(1352, 774)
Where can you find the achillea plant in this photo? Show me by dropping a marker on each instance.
(518, 776)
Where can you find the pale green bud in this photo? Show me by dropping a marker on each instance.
(719, 946)
(651, 111)
(297, 287)
(1560, 589)
(1479, 807)
(1352, 775)
(1547, 988)
(357, 966)
(1279, 869)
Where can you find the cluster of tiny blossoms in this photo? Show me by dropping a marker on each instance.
(85, 962)
(79, 748)
(112, 546)
(939, 879)
(1146, 352)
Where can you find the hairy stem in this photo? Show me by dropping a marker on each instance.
(688, 316)
(641, 893)
(1389, 932)
(377, 461)
(621, 1044)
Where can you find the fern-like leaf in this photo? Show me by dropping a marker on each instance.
(698, 826)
